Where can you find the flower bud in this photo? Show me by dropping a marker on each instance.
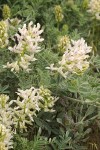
(63, 43)
(6, 13)
(58, 13)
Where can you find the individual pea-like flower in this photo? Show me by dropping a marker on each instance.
(28, 44)
(29, 103)
(58, 13)
(94, 8)
(6, 13)
(3, 34)
(6, 116)
(74, 60)
(64, 42)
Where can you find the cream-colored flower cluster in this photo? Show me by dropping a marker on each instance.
(6, 116)
(29, 102)
(28, 40)
(74, 60)
(94, 8)
(20, 112)
(3, 34)
(58, 13)
(26, 107)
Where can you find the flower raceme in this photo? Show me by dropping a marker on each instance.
(74, 60)
(6, 116)
(20, 112)
(3, 34)
(94, 8)
(28, 39)
(29, 103)
(26, 106)
(47, 100)
(28, 44)
(3, 134)
(5, 138)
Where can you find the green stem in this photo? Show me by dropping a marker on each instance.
(83, 102)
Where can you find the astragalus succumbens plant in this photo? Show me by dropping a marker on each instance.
(74, 59)
(27, 105)
(32, 106)
(28, 38)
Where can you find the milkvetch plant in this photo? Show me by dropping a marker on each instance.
(26, 106)
(31, 114)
